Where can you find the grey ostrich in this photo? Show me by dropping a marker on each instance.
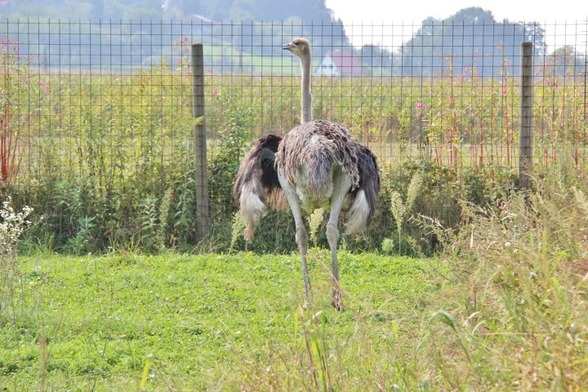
(318, 164)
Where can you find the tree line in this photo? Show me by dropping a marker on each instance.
(469, 41)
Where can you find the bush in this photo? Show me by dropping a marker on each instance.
(436, 201)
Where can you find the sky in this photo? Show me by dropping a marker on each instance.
(550, 14)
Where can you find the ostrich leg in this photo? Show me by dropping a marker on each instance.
(302, 241)
(301, 235)
(341, 185)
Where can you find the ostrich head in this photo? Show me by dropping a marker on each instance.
(299, 47)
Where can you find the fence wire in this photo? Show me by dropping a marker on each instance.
(101, 99)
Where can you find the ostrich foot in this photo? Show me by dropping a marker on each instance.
(337, 301)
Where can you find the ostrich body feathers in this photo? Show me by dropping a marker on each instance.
(309, 151)
(308, 156)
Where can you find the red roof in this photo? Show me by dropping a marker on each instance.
(346, 62)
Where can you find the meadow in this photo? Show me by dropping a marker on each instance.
(502, 307)
(462, 282)
(208, 322)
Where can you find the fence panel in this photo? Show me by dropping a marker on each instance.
(102, 99)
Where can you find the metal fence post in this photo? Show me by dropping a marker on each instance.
(200, 139)
(526, 136)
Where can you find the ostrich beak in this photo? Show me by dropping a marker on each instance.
(287, 47)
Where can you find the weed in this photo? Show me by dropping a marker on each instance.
(314, 223)
(85, 232)
(522, 271)
(12, 226)
(238, 226)
(150, 235)
(16, 88)
(400, 209)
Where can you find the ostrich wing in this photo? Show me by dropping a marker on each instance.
(257, 183)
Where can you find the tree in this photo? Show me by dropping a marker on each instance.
(375, 56)
(275, 10)
(565, 61)
(235, 10)
(470, 39)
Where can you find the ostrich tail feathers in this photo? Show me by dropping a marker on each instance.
(252, 209)
(358, 214)
(364, 204)
(369, 174)
(257, 184)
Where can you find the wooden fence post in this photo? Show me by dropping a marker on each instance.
(200, 139)
(526, 136)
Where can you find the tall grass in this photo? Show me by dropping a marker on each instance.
(509, 313)
(516, 314)
(101, 157)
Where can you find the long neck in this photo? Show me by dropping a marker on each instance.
(306, 95)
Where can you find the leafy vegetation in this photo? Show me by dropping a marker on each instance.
(504, 308)
(520, 320)
(109, 162)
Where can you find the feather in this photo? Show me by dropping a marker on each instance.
(313, 147)
(257, 184)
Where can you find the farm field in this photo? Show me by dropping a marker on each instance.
(213, 322)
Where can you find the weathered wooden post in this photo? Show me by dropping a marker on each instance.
(200, 139)
(526, 136)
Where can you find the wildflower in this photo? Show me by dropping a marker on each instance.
(12, 225)
(44, 86)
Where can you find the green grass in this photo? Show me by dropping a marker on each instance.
(504, 309)
(211, 322)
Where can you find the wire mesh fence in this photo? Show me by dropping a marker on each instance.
(105, 98)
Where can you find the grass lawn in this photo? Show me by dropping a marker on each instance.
(215, 322)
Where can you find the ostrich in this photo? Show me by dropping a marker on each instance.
(318, 164)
